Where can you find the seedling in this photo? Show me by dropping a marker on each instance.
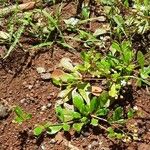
(21, 115)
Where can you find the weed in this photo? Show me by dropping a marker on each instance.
(21, 115)
(82, 103)
(90, 91)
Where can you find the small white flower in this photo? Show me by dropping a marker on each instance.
(123, 82)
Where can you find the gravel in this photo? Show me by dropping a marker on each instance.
(46, 76)
(40, 70)
(3, 111)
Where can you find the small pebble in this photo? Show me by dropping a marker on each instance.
(40, 70)
(53, 141)
(46, 76)
(42, 147)
(50, 96)
(49, 105)
(89, 147)
(85, 134)
(3, 111)
(22, 100)
(102, 18)
(43, 108)
(30, 87)
(95, 144)
(106, 38)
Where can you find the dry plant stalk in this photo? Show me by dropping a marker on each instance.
(9, 9)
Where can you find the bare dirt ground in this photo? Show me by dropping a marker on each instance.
(21, 85)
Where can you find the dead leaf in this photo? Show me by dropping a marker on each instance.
(72, 132)
(96, 90)
(59, 138)
(66, 63)
(26, 6)
(70, 146)
(57, 73)
(4, 35)
(10, 9)
(68, 106)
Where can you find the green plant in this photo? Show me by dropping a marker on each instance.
(85, 13)
(144, 71)
(91, 91)
(39, 24)
(82, 103)
(21, 115)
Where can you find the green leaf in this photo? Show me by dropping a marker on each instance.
(19, 112)
(127, 51)
(115, 47)
(85, 12)
(119, 135)
(60, 113)
(85, 95)
(84, 120)
(66, 115)
(84, 90)
(17, 37)
(102, 112)
(56, 81)
(140, 59)
(21, 115)
(85, 57)
(120, 22)
(145, 72)
(118, 114)
(94, 122)
(65, 45)
(66, 127)
(78, 101)
(114, 90)
(54, 129)
(78, 126)
(111, 132)
(65, 94)
(18, 120)
(38, 130)
(66, 77)
(28, 116)
(104, 99)
(94, 104)
(76, 115)
(130, 113)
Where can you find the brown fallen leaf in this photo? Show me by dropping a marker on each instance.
(59, 137)
(57, 73)
(9, 9)
(26, 6)
(38, 2)
(96, 90)
(70, 146)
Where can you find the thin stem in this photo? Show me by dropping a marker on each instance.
(102, 127)
(102, 119)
